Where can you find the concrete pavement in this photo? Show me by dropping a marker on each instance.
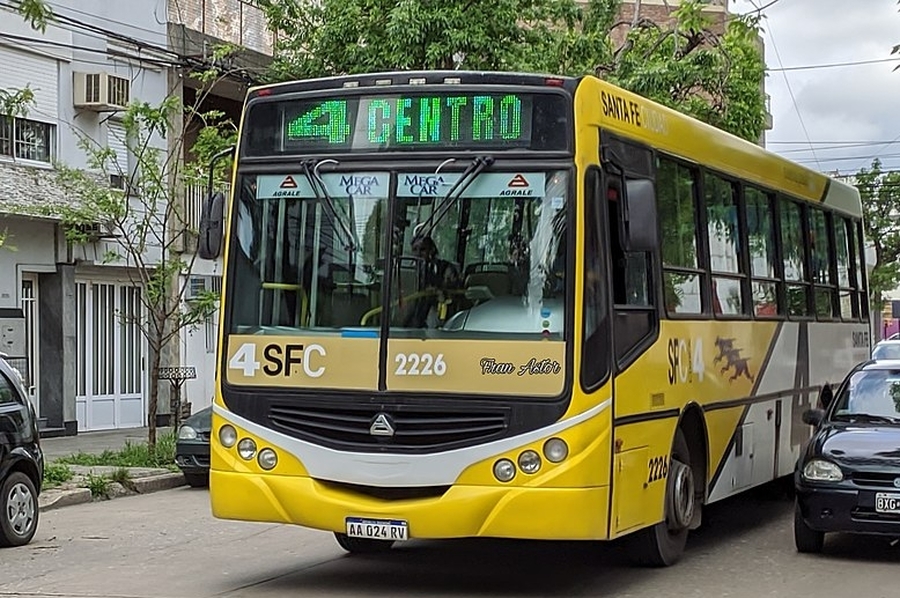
(74, 492)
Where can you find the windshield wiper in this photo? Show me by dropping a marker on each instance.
(868, 417)
(311, 172)
(471, 172)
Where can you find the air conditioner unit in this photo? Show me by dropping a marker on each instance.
(101, 92)
(94, 231)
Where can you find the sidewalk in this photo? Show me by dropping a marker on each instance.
(139, 480)
(94, 442)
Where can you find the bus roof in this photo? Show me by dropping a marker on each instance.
(403, 78)
(635, 117)
(654, 124)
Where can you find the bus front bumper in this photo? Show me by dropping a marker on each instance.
(461, 511)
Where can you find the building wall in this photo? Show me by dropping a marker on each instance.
(237, 22)
(660, 11)
(128, 39)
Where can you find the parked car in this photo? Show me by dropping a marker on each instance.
(848, 475)
(192, 448)
(21, 460)
(886, 349)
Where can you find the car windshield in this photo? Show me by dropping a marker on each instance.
(886, 351)
(870, 394)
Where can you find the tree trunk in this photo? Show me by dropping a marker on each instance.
(153, 403)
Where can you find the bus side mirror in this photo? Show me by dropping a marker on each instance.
(212, 214)
(209, 245)
(639, 216)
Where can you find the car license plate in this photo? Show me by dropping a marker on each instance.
(377, 529)
(887, 503)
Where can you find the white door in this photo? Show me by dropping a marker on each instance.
(110, 357)
(29, 303)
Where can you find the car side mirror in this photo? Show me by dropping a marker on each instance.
(813, 417)
(826, 396)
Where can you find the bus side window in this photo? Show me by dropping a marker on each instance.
(631, 271)
(635, 313)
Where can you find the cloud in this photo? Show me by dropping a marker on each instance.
(853, 103)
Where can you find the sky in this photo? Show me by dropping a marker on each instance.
(832, 118)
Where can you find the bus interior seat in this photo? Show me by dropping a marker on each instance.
(497, 277)
(348, 306)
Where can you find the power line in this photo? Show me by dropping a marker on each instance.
(846, 159)
(180, 60)
(57, 7)
(829, 148)
(31, 41)
(790, 91)
(810, 67)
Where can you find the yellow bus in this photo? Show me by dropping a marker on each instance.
(463, 304)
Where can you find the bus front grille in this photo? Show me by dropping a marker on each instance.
(386, 427)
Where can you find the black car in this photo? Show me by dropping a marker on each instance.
(21, 461)
(192, 448)
(848, 475)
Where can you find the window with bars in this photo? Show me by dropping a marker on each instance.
(23, 139)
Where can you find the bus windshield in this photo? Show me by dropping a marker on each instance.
(336, 253)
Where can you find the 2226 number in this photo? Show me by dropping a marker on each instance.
(425, 364)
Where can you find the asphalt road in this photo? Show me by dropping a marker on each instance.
(166, 545)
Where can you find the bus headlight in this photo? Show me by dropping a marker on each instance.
(247, 448)
(529, 461)
(267, 459)
(556, 450)
(504, 470)
(227, 436)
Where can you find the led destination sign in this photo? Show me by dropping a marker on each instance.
(410, 121)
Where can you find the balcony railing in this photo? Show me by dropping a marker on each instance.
(239, 22)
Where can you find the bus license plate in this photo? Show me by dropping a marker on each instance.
(887, 503)
(377, 529)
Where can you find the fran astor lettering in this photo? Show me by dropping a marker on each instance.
(534, 367)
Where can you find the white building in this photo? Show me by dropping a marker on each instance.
(61, 303)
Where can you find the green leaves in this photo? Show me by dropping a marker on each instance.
(682, 64)
(880, 192)
(36, 12)
(15, 102)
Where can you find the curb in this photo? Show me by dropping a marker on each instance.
(63, 498)
(155, 483)
(55, 499)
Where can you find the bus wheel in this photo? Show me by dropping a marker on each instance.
(663, 544)
(362, 545)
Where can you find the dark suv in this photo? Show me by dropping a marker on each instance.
(21, 461)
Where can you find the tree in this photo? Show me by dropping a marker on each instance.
(147, 217)
(682, 64)
(880, 193)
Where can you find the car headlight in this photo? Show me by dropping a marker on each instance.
(820, 470)
(187, 433)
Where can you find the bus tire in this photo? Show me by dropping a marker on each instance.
(663, 544)
(362, 545)
(806, 539)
